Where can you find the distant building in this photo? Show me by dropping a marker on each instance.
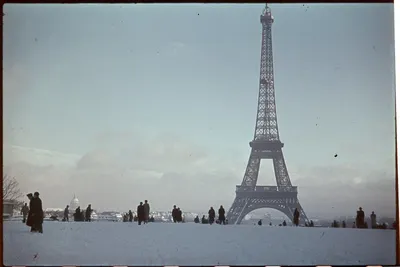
(73, 205)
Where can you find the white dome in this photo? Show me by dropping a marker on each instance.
(74, 203)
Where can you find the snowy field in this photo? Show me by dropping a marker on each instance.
(108, 243)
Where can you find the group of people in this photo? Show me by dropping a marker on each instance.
(79, 215)
(143, 211)
(177, 215)
(33, 214)
(361, 223)
(211, 217)
(128, 217)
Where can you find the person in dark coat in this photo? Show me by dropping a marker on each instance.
(36, 211)
(204, 220)
(146, 211)
(360, 218)
(197, 219)
(296, 216)
(78, 214)
(66, 214)
(179, 215)
(221, 215)
(373, 220)
(174, 214)
(24, 212)
(29, 221)
(260, 222)
(130, 214)
(211, 215)
(284, 223)
(88, 212)
(140, 213)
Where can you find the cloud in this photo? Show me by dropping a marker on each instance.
(165, 169)
(125, 168)
(343, 188)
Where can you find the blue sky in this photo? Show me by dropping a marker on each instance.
(82, 78)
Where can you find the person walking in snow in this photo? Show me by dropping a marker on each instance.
(296, 216)
(179, 217)
(373, 220)
(174, 214)
(146, 211)
(130, 214)
(24, 212)
(29, 220)
(211, 215)
(66, 214)
(88, 212)
(140, 213)
(36, 211)
(221, 215)
(360, 218)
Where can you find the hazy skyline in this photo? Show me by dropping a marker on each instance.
(121, 103)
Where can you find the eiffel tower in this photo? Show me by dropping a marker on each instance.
(266, 145)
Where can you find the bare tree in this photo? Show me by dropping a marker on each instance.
(11, 190)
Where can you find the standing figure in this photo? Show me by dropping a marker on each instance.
(211, 215)
(296, 216)
(77, 214)
(360, 218)
(36, 211)
(221, 215)
(140, 213)
(66, 214)
(88, 213)
(174, 214)
(373, 220)
(146, 211)
(179, 215)
(24, 212)
(130, 216)
(29, 221)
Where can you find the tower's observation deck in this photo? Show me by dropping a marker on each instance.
(266, 16)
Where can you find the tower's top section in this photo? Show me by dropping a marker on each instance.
(266, 16)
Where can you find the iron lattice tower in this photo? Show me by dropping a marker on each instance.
(266, 145)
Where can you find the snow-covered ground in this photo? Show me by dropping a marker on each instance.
(113, 243)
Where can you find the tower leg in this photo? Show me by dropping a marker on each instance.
(238, 208)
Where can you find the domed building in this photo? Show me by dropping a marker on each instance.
(73, 205)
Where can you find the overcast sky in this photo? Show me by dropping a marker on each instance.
(121, 103)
